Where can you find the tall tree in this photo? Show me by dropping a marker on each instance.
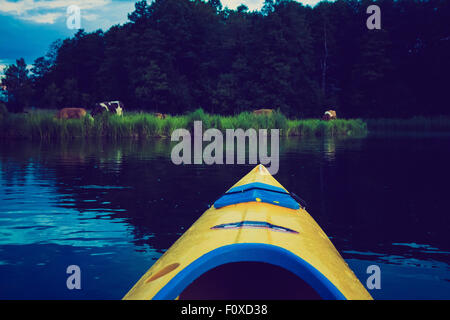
(216, 4)
(18, 86)
(141, 11)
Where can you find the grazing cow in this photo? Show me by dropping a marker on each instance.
(115, 107)
(71, 113)
(266, 112)
(160, 115)
(329, 115)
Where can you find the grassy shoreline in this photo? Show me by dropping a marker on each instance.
(42, 125)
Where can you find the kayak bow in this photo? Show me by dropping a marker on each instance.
(255, 242)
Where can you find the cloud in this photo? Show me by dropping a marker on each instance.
(95, 14)
(28, 27)
(311, 3)
(44, 18)
(90, 17)
(251, 4)
(21, 7)
(47, 11)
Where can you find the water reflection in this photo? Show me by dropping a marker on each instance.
(114, 208)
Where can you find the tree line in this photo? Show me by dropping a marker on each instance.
(174, 56)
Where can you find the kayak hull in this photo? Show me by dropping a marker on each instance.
(261, 231)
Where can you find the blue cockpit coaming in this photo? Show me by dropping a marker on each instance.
(256, 185)
(250, 252)
(257, 191)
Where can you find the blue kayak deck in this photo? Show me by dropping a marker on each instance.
(257, 192)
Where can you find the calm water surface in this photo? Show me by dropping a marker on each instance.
(114, 208)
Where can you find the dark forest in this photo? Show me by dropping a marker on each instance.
(174, 56)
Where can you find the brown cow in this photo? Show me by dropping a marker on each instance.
(266, 112)
(160, 115)
(71, 113)
(329, 115)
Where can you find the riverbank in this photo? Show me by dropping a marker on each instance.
(42, 125)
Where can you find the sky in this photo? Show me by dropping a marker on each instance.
(28, 27)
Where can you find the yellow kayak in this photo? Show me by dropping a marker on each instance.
(256, 242)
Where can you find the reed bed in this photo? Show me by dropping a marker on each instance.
(43, 125)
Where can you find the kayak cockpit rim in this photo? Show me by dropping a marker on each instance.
(259, 192)
(250, 252)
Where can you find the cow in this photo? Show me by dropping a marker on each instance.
(115, 107)
(160, 115)
(266, 112)
(329, 115)
(71, 113)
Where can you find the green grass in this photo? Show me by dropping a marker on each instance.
(43, 125)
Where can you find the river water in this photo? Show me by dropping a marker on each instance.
(114, 208)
